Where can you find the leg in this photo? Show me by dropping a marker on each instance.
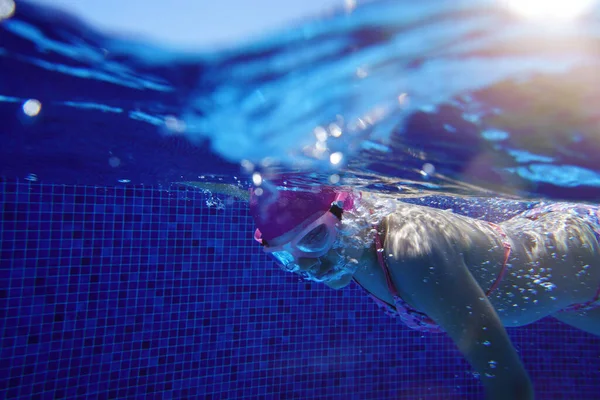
(588, 321)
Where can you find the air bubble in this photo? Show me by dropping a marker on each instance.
(7, 9)
(256, 179)
(336, 158)
(335, 130)
(548, 286)
(247, 166)
(427, 169)
(174, 124)
(114, 161)
(32, 107)
(31, 178)
(320, 133)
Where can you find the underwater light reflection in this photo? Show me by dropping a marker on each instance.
(551, 9)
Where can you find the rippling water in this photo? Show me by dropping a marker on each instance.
(459, 97)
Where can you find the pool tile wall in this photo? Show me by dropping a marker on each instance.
(145, 293)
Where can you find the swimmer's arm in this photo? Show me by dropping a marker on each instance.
(453, 299)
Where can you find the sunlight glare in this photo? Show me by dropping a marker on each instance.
(550, 9)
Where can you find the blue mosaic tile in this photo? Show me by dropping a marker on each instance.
(136, 293)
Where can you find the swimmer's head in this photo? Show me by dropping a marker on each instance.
(298, 228)
(277, 212)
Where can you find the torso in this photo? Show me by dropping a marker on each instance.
(539, 276)
(555, 263)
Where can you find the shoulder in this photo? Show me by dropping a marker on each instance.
(422, 232)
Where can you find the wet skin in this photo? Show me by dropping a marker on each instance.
(442, 264)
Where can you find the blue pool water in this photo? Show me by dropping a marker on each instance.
(119, 282)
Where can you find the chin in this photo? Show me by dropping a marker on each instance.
(340, 282)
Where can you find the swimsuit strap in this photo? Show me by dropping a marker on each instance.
(410, 316)
(507, 249)
(588, 305)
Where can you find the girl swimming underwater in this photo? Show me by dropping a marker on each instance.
(442, 272)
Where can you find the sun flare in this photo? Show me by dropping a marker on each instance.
(550, 9)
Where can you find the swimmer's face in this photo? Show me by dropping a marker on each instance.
(316, 249)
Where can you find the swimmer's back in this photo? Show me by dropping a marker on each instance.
(547, 252)
(544, 255)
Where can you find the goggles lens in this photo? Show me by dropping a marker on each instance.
(287, 262)
(315, 240)
(302, 253)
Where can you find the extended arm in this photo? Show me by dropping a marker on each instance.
(439, 284)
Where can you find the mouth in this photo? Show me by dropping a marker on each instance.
(328, 271)
(320, 270)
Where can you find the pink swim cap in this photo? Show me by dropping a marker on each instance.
(278, 212)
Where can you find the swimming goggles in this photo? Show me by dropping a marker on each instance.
(311, 241)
